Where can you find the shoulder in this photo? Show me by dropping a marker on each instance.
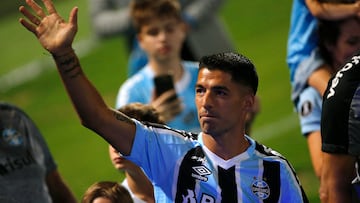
(267, 151)
(309, 93)
(190, 65)
(309, 99)
(345, 81)
(176, 132)
(141, 78)
(4, 106)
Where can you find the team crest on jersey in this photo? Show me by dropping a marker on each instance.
(260, 189)
(12, 137)
(200, 173)
(306, 108)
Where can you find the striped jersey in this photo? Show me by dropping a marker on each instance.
(186, 171)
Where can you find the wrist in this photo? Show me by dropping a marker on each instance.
(63, 53)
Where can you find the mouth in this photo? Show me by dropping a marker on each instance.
(207, 116)
(164, 49)
(117, 160)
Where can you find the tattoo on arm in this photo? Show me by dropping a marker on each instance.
(69, 64)
(71, 67)
(121, 117)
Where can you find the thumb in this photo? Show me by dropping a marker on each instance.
(73, 16)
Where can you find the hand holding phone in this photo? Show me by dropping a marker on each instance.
(164, 83)
(166, 101)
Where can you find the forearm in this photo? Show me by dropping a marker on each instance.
(140, 185)
(58, 190)
(319, 78)
(85, 98)
(332, 11)
(337, 174)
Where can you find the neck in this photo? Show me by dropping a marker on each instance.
(171, 67)
(226, 148)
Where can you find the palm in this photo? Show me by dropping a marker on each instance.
(54, 33)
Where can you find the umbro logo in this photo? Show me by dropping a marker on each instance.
(200, 173)
(198, 159)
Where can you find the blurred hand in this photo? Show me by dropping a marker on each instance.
(167, 106)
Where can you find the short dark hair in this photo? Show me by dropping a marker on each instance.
(241, 69)
(143, 11)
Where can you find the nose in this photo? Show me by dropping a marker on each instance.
(163, 35)
(207, 100)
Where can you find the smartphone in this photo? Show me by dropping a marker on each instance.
(164, 83)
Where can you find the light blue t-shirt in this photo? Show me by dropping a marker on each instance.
(302, 38)
(309, 110)
(180, 164)
(140, 87)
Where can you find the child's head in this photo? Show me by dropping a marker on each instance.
(107, 191)
(141, 112)
(144, 11)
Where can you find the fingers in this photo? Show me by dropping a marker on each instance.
(24, 22)
(49, 6)
(169, 110)
(29, 15)
(164, 98)
(73, 16)
(36, 8)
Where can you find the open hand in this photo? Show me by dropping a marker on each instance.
(53, 33)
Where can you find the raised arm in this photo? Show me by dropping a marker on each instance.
(333, 11)
(56, 36)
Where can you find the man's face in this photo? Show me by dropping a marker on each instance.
(162, 38)
(221, 103)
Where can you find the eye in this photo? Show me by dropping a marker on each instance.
(170, 28)
(353, 41)
(220, 92)
(153, 32)
(199, 90)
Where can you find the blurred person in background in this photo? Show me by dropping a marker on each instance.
(161, 32)
(340, 131)
(306, 66)
(28, 172)
(111, 18)
(337, 41)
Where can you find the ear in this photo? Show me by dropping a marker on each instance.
(249, 101)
